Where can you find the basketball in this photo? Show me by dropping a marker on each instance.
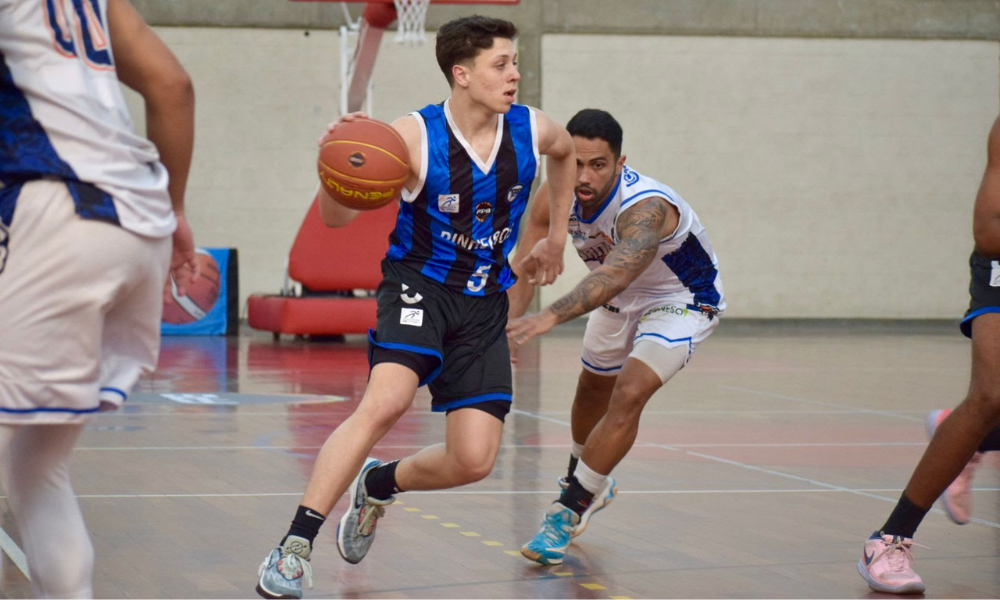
(363, 164)
(200, 297)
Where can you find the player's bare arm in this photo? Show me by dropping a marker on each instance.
(145, 64)
(545, 259)
(986, 216)
(640, 230)
(536, 228)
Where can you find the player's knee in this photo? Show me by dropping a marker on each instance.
(381, 413)
(72, 576)
(625, 408)
(473, 465)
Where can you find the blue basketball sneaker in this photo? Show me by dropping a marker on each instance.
(607, 495)
(356, 530)
(549, 545)
(282, 572)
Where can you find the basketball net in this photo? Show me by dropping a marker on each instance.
(410, 18)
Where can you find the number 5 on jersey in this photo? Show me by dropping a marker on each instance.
(478, 279)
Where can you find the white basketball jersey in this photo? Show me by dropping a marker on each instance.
(63, 116)
(685, 269)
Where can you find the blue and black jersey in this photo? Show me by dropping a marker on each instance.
(461, 220)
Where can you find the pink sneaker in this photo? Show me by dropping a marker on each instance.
(957, 497)
(887, 566)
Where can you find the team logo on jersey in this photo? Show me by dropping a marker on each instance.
(483, 211)
(357, 159)
(630, 176)
(448, 203)
(574, 229)
(412, 316)
(598, 250)
(514, 191)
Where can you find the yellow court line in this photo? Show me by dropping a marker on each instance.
(471, 534)
(450, 525)
(512, 552)
(492, 543)
(413, 509)
(564, 574)
(593, 586)
(430, 517)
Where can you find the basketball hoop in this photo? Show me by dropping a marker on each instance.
(410, 18)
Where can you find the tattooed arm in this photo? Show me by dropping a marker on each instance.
(640, 230)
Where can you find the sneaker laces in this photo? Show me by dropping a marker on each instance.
(294, 562)
(899, 555)
(372, 510)
(551, 526)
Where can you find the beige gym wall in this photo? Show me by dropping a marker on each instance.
(836, 177)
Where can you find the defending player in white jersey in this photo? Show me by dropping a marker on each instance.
(86, 220)
(654, 282)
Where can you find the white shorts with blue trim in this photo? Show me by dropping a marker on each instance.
(614, 329)
(80, 307)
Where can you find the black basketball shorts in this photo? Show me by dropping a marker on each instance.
(456, 344)
(984, 290)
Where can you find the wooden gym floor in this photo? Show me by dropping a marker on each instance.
(757, 472)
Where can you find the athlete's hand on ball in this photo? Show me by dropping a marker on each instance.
(184, 266)
(345, 118)
(522, 329)
(544, 263)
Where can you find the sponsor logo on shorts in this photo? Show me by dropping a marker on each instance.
(483, 211)
(412, 316)
(448, 203)
(514, 191)
(666, 309)
(410, 297)
(994, 273)
(611, 308)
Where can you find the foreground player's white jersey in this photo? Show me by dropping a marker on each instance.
(685, 269)
(63, 116)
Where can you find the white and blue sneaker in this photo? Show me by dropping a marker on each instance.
(607, 495)
(356, 530)
(549, 545)
(282, 572)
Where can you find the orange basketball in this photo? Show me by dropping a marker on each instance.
(363, 164)
(200, 297)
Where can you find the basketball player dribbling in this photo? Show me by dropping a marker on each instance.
(442, 305)
(86, 221)
(886, 562)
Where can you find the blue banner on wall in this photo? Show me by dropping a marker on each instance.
(210, 305)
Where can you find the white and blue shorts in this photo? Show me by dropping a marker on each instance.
(80, 306)
(614, 329)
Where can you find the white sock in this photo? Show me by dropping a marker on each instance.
(576, 450)
(591, 480)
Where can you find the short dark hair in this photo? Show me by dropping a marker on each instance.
(593, 123)
(460, 40)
